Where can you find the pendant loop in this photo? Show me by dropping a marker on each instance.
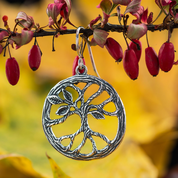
(83, 67)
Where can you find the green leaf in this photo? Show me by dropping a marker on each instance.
(136, 31)
(106, 5)
(23, 38)
(100, 37)
(176, 7)
(24, 20)
(133, 6)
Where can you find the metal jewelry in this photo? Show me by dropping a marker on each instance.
(68, 106)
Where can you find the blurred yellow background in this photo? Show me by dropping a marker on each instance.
(150, 102)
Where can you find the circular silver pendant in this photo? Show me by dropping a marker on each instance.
(68, 107)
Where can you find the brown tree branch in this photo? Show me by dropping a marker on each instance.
(88, 32)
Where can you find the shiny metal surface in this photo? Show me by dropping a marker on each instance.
(66, 103)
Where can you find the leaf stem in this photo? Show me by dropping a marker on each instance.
(112, 8)
(157, 16)
(147, 39)
(9, 51)
(126, 40)
(53, 49)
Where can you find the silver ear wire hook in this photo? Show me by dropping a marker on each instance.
(79, 49)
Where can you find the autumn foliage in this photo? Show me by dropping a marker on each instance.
(59, 16)
(134, 22)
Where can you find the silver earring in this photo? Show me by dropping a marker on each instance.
(66, 103)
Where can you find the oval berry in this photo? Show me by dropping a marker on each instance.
(166, 56)
(152, 62)
(12, 71)
(34, 57)
(114, 49)
(75, 64)
(136, 45)
(130, 63)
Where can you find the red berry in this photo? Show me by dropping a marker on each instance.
(75, 64)
(34, 57)
(130, 63)
(12, 71)
(152, 62)
(5, 18)
(166, 56)
(114, 49)
(137, 48)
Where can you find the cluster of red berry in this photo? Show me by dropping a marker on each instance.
(12, 66)
(131, 57)
(133, 31)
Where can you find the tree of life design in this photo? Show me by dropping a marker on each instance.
(86, 108)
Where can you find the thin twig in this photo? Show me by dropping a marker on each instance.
(88, 32)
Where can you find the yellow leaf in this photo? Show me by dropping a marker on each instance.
(127, 161)
(131, 161)
(159, 150)
(16, 166)
(57, 172)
